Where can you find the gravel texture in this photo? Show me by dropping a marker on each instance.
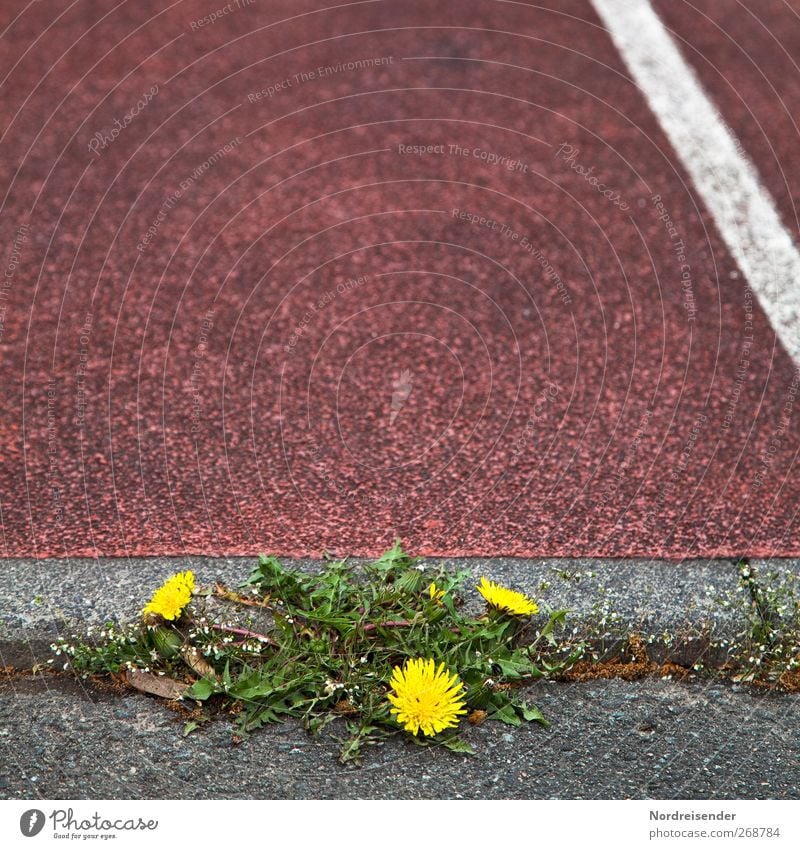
(611, 739)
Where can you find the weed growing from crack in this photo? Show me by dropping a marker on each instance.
(768, 649)
(330, 646)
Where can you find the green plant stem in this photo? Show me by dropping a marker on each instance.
(392, 623)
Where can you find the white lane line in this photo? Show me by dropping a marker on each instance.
(728, 182)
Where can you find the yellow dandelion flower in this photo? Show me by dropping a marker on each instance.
(425, 698)
(435, 593)
(506, 600)
(169, 600)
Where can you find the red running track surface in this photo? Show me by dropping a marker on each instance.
(747, 56)
(254, 305)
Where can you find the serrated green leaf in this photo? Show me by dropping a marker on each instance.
(248, 691)
(531, 713)
(516, 666)
(449, 604)
(411, 581)
(456, 744)
(507, 714)
(557, 617)
(394, 558)
(200, 690)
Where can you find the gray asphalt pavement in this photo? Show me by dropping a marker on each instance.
(608, 740)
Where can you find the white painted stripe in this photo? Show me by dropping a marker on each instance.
(728, 182)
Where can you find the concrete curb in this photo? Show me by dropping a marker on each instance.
(43, 599)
